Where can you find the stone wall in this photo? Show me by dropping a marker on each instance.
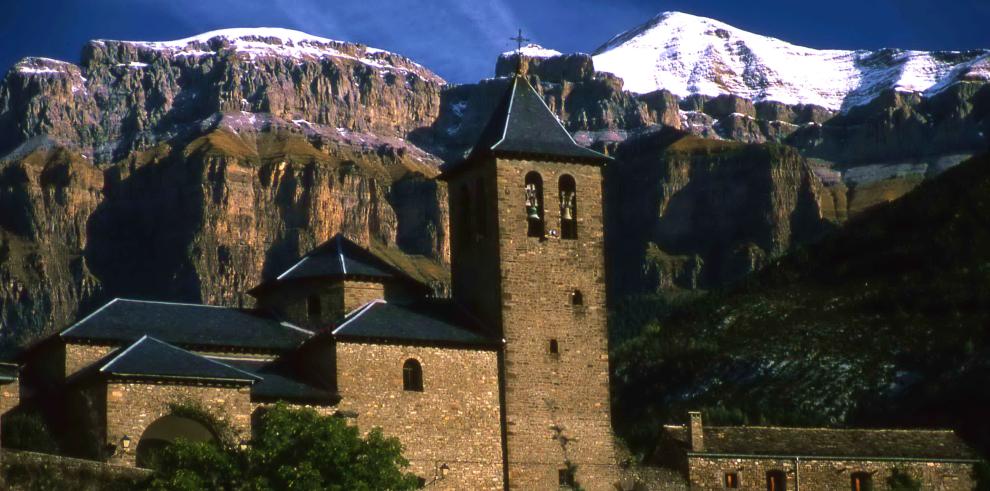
(10, 396)
(453, 421)
(358, 293)
(553, 397)
(824, 475)
(132, 406)
(80, 356)
(32, 471)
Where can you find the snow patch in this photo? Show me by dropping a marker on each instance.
(686, 55)
(534, 51)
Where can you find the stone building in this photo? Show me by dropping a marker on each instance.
(813, 459)
(504, 386)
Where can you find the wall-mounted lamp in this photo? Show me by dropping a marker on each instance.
(125, 442)
(243, 445)
(444, 470)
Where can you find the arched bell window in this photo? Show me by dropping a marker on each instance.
(466, 232)
(480, 213)
(534, 205)
(412, 376)
(568, 207)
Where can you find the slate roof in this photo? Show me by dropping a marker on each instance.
(826, 442)
(338, 257)
(278, 382)
(8, 373)
(522, 124)
(151, 358)
(125, 321)
(427, 323)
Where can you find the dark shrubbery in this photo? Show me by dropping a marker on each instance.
(292, 449)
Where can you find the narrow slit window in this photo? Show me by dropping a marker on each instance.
(577, 298)
(776, 481)
(554, 347)
(731, 480)
(412, 376)
(862, 481)
(534, 205)
(568, 207)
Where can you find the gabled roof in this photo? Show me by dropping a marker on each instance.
(151, 358)
(827, 442)
(125, 321)
(339, 257)
(523, 125)
(8, 373)
(424, 323)
(278, 382)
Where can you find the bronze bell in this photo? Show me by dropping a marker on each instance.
(532, 212)
(568, 215)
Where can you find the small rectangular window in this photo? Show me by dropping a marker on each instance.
(731, 480)
(554, 347)
(565, 477)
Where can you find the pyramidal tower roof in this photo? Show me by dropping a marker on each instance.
(523, 125)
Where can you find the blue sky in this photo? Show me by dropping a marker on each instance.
(460, 39)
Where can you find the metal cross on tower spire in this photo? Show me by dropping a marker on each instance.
(519, 39)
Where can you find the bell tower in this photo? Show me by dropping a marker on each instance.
(527, 259)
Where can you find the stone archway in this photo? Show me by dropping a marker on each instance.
(168, 429)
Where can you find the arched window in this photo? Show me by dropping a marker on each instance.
(577, 298)
(776, 481)
(862, 481)
(568, 207)
(412, 376)
(480, 211)
(534, 205)
(466, 216)
(313, 308)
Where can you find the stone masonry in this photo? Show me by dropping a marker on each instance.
(454, 421)
(556, 404)
(132, 406)
(707, 473)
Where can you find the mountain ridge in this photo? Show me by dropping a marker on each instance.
(688, 54)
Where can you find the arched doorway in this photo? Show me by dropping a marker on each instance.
(168, 429)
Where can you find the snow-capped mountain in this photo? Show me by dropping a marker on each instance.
(686, 54)
(271, 42)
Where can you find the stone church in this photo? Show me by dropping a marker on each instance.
(504, 386)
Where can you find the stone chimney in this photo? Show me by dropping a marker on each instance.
(696, 432)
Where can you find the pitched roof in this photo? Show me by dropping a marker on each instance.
(126, 321)
(827, 442)
(342, 258)
(151, 358)
(278, 382)
(522, 124)
(8, 373)
(427, 322)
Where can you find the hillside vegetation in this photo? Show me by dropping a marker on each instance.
(884, 323)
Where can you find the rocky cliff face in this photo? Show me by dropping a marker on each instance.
(190, 170)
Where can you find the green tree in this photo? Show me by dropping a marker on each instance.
(293, 449)
(902, 481)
